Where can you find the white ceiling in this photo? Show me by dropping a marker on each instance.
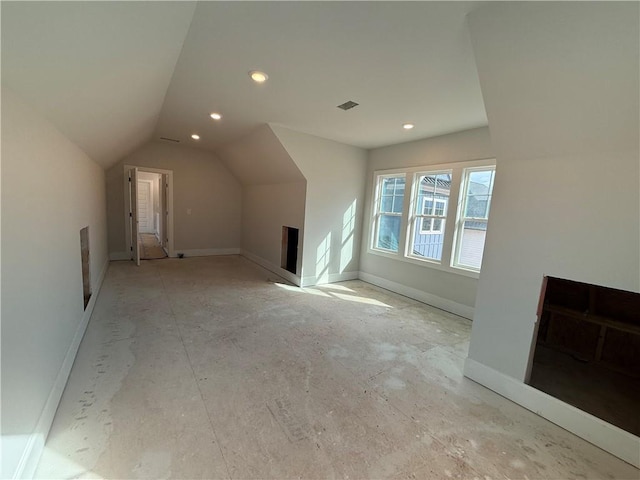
(98, 70)
(113, 75)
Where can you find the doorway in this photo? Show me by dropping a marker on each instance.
(148, 196)
(149, 188)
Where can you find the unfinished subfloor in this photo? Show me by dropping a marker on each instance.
(215, 368)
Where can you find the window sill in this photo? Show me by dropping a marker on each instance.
(425, 263)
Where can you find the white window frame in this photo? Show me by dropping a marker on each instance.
(449, 248)
(414, 213)
(461, 219)
(377, 213)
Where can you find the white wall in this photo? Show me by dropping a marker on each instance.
(335, 176)
(266, 209)
(560, 85)
(201, 184)
(50, 190)
(450, 291)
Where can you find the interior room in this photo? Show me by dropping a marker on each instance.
(314, 239)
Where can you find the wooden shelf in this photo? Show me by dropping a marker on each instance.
(591, 318)
(595, 323)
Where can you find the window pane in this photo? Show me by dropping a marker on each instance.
(398, 200)
(428, 238)
(477, 206)
(388, 232)
(480, 184)
(433, 193)
(472, 244)
(392, 195)
(388, 186)
(386, 203)
(482, 180)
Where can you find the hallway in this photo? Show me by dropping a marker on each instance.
(213, 367)
(150, 248)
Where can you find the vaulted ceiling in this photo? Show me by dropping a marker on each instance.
(114, 75)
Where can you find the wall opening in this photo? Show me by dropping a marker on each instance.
(587, 350)
(159, 219)
(289, 258)
(86, 273)
(150, 207)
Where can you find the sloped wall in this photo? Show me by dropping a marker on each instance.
(50, 191)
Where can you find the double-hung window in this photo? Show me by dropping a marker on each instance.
(471, 227)
(431, 197)
(440, 221)
(388, 212)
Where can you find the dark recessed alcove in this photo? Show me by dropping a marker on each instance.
(84, 258)
(588, 350)
(289, 257)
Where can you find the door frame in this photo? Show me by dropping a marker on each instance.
(169, 206)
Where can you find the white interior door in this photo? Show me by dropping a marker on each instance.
(133, 215)
(145, 207)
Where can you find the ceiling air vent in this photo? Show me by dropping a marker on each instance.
(348, 105)
(170, 139)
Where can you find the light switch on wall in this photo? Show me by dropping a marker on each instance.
(188, 211)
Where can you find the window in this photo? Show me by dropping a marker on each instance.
(471, 228)
(431, 194)
(388, 216)
(441, 222)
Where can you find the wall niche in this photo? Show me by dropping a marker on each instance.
(84, 258)
(587, 351)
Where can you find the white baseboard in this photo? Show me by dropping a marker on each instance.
(115, 256)
(330, 278)
(614, 440)
(424, 297)
(21, 453)
(272, 268)
(206, 252)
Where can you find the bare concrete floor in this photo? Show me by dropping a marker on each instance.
(211, 368)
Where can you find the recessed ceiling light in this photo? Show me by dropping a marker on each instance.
(216, 116)
(408, 126)
(195, 136)
(258, 77)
